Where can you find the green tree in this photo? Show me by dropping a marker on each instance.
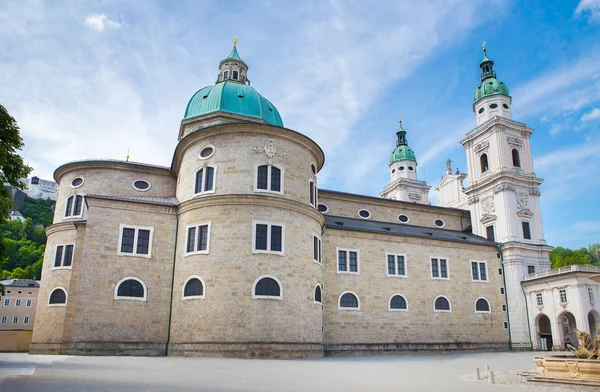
(39, 210)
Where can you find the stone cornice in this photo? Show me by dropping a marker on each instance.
(261, 200)
(129, 205)
(110, 164)
(492, 126)
(522, 245)
(244, 128)
(64, 226)
(515, 178)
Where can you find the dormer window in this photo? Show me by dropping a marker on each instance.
(226, 75)
(235, 75)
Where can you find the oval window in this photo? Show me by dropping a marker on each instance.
(207, 152)
(313, 168)
(77, 182)
(439, 223)
(322, 208)
(493, 106)
(141, 185)
(481, 110)
(410, 168)
(401, 168)
(364, 214)
(393, 171)
(403, 218)
(505, 106)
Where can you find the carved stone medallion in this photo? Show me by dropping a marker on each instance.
(270, 150)
(487, 205)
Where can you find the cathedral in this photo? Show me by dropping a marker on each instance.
(234, 250)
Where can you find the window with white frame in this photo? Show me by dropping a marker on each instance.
(269, 178)
(74, 207)
(135, 240)
(442, 304)
(539, 298)
(28, 303)
(268, 237)
(198, 238)
(397, 302)
(591, 294)
(396, 264)
(563, 295)
(4, 319)
(6, 301)
(131, 288)
(26, 320)
(530, 269)
(348, 301)
(482, 305)
(318, 294)
(15, 320)
(63, 256)
(205, 180)
(317, 249)
(267, 287)
(347, 261)
(439, 268)
(58, 297)
(18, 302)
(193, 288)
(312, 197)
(479, 271)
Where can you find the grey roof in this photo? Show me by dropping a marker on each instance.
(369, 226)
(20, 283)
(161, 201)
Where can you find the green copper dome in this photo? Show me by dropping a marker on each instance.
(489, 84)
(402, 151)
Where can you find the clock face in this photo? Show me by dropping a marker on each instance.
(521, 200)
(487, 204)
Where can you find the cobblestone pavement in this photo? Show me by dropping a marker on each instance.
(455, 372)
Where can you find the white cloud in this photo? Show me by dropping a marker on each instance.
(101, 22)
(591, 6)
(594, 114)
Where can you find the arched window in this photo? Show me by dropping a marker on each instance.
(482, 306)
(130, 288)
(193, 288)
(398, 302)
(349, 301)
(484, 163)
(441, 304)
(205, 180)
(267, 287)
(269, 178)
(516, 158)
(74, 206)
(318, 294)
(312, 193)
(58, 297)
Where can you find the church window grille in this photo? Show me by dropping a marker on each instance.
(482, 306)
(479, 271)
(317, 249)
(205, 180)
(135, 241)
(198, 238)
(563, 295)
(398, 302)
(58, 296)
(396, 264)
(193, 288)
(516, 158)
(489, 231)
(349, 301)
(348, 261)
(131, 288)
(442, 304)
(539, 297)
(318, 294)
(483, 160)
(269, 178)
(526, 231)
(268, 237)
(74, 208)
(439, 268)
(267, 287)
(63, 256)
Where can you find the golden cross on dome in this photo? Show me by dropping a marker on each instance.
(483, 46)
(234, 39)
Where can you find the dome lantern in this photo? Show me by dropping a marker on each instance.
(402, 151)
(489, 84)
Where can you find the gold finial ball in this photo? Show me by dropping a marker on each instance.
(400, 120)
(483, 46)
(234, 39)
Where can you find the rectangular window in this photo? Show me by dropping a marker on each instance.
(312, 194)
(526, 231)
(317, 249)
(235, 75)
(439, 268)
(15, 319)
(479, 271)
(18, 302)
(348, 261)
(74, 206)
(396, 264)
(275, 179)
(262, 177)
(499, 271)
(269, 178)
(591, 294)
(506, 325)
(502, 290)
(490, 233)
(205, 180)
(268, 237)
(539, 298)
(198, 238)
(135, 241)
(26, 320)
(28, 303)
(531, 269)
(63, 257)
(504, 308)
(6, 301)
(4, 319)
(563, 295)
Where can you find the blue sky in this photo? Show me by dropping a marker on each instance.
(94, 79)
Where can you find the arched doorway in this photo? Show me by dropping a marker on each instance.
(593, 321)
(567, 324)
(544, 333)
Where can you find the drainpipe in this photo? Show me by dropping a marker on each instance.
(172, 285)
(505, 296)
(527, 310)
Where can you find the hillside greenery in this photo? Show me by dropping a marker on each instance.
(561, 257)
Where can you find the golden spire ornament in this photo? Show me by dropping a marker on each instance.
(234, 39)
(127, 157)
(483, 48)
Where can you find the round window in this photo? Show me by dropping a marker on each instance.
(77, 182)
(403, 218)
(493, 106)
(322, 208)
(207, 152)
(481, 110)
(313, 168)
(401, 168)
(505, 106)
(439, 223)
(364, 214)
(410, 168)
(141, 185)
